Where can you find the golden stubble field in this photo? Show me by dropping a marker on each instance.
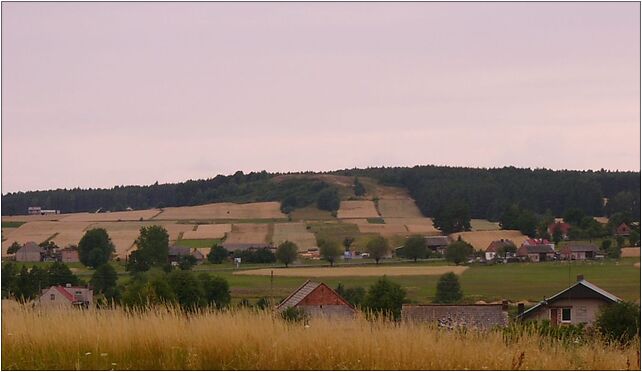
(481, 239)
(266, 210)
(296, 233)
(259, 340)
(249, 233)
(357, 209)
(212, 231)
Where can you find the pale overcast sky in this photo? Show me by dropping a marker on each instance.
(104, 94)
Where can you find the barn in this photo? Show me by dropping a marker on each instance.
(318, 300)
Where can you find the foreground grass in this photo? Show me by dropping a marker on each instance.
(166, 339)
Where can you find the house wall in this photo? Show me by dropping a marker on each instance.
(27, 256)
(582, 310)
(69, 256)
(490, 256)
(325, 302)
(328, 311)
(472, 316)
(59, 299)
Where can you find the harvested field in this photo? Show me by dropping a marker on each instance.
(215, 231)
(266, 210)
(399, 208)
(145, 214)
(357, 209)
(481, 239)
(631, 252)
(6, 232)
(249, 233)
(417, 225)
(296, 233)
(39, 231)
(34, 217)
(324, 272)
(483, 225)
(310, 213)
(602, 220)
(382, 229)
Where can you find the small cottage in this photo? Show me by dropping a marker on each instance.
(580, 303)
(496, 246)
(67, 296)
(579, 251)
(437, 243)
(317, 299)
(30, 252)
(536, 250)
(457, 316)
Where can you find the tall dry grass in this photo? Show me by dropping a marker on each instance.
(168, 339)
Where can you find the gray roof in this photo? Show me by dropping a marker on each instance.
(175, 250)
(581, 289)
(298, 295)
(455, 316)
(436, 241)
(538, 248)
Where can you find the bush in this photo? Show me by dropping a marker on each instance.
(262, 255)
(619, 322)
(95, 248)
(448, 289)
(385, 298)
(354, 295)
(328, 200)
(217, 254)
(294, 315)
(457, 252)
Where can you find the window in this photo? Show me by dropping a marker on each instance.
(566, 315)
(52, 297)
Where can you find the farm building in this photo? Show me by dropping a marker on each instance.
(623, 230)
(455, 316)
(176, 252)
(536, 250)
(495, 246)
(317, 299)
(562, 227)
(579, 251)
(437, 243)
(233, 247)
(580, 303)
(67, 296)
(68, 254)
(30, 252)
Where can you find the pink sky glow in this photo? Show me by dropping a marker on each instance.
(104, 94)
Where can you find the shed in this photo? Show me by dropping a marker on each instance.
(317, 299)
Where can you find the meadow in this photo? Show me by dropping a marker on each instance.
(116, 339)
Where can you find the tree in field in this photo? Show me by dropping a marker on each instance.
(14, 247)
(457, 252)
(359, 189)
(95, 248)
(328, 200)
(104, 281)
(329, 250)
(347, 243)
(619, 322)
(452, 217)
(153, 244)
(415, 247)
(187, 288)
(377, 247)
(217, 254)
(287, 252)
(385, 297)
(137, 262)
(216, 290)
(448, 289)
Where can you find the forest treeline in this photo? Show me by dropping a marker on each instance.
(487, 193)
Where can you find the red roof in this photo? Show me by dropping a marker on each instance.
(64, 292)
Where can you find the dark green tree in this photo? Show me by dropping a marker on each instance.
(415, 247)
(95, 248)
(186, 262)
(187, 288)
(287, 252)
(619, 322)
(457, 252)
(14, 247)
(354, 295)
(329, 250)
(138, 262)
(153, 244)
(359, 189)
(104, 281)
(452, 217)
(217, 254)
(59, 274)
(378, 248)
(573, 216)
(216, 289)
(328, 200)
(385, 297)
(448, 289)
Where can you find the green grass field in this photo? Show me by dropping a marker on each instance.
(197, 243)
(12, 223)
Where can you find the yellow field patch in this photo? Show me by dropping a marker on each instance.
(357, 209)
(296, 233)
(325, 272)
(416, 225)
(382, 229)
(481, 239)
(398, 208)
(631, 252)
(39, 231)
(223, 211)
(145, 214)
(34, 217)
(483, 225)
(248, 233)
(214, 231)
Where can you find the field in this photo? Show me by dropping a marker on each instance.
(324, 272)
(631, 252)
(415, 225)
(249, 233)
(481, 239)
(63, 233)
(214, 231)
(483, 225)
(217, 211)
(198, 243)
(385, 230)
(310, 213)
(357, 209)
(398, 208)
(296, 233)
(258, 340)
(139, 215)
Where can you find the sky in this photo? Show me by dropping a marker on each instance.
(104, 94)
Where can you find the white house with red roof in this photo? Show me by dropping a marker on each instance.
(67, 296)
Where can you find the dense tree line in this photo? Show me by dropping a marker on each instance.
(489, 192)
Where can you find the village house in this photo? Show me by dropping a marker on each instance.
(580, 303)
(536, 250)
(318, 300)
(67, 296)
(176, 252)
(495, 246)
(579, 251)
(29, 252)
(437, 243)
(475, 316)
(562, 227)
(623, 230)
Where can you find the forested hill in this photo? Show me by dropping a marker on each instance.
(485, 192)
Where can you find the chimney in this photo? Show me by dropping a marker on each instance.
(520, 308)
(580, 277)
(68, 285)
(504, 305)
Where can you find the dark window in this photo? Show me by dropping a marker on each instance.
(52, 297)
(566, 315)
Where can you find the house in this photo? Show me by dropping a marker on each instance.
(495, 246)
(317, 299)
(30, 252)
(579, 303)
(176, 252)
(579, 251)
(68, 254)
(455, 316)
(562, 227)
(199, 254)
(233, 247)
(536, 250)
(437, 243)
(67, 296)
(623, 230)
